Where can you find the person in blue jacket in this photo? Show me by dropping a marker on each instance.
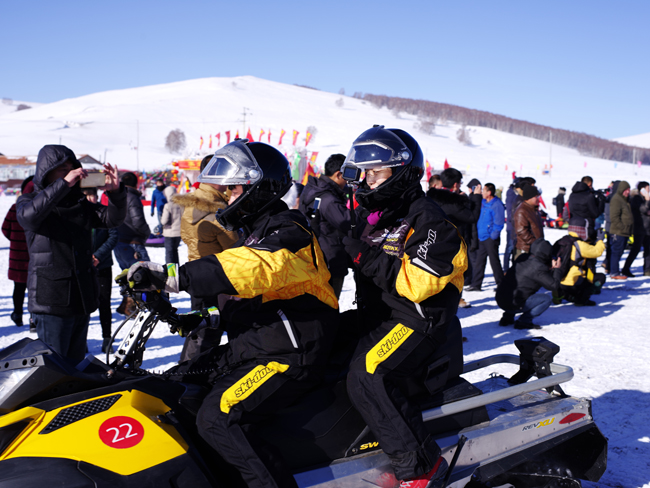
(158, 200)
(489, 226)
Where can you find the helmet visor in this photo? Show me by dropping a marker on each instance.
(375, 155)
(233, 164)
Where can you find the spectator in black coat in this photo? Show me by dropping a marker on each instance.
(104, 241)
(58, 223)
(463, 211)
(558, 201)
(644, 209)
(334, 219)
(134, 231)
(637, 201)
(584, 206)
(517, 293)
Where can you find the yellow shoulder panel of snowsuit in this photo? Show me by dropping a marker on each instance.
(278, 275)
(417, 285)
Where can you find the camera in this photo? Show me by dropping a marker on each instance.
(351, 173)
(94, 179)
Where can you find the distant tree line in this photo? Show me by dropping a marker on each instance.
(441, 112)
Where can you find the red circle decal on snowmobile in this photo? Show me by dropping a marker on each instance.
(121, 432)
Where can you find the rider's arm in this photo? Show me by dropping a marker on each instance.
(435, 255)
(279, 260)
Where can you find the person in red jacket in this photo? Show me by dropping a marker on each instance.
(18, 254)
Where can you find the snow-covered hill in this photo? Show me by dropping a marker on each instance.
(129, 127)
(641, 140)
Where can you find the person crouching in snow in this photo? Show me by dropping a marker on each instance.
(581, 280)
(517, 293)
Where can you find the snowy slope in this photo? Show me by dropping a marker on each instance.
(117, 122)
(8, 105)
(603, 344)
(640, 140)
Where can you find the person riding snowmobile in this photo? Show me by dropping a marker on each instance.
(409, 271)
(282, 319)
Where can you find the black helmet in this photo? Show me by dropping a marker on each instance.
(385, 148)
(261, 169)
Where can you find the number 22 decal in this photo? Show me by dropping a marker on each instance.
(121, 432)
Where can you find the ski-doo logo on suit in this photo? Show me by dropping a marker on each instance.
(424, 247)
(386, 346)
(247, 385)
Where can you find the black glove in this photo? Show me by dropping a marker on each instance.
(600, 235)
(359, 251)
(148, 276)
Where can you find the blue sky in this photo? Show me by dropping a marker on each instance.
(577, 65)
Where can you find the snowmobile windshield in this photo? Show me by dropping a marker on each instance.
(233, 164)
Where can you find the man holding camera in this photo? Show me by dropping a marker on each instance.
(58, 222)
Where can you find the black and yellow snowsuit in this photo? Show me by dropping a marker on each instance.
(281, 323)
(408, 288)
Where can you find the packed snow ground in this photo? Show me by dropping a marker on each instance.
(605, 345)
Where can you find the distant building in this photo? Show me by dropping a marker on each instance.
(89, 162)
(14, 170)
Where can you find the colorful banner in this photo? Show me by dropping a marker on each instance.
(249, 136)
(428, 169)
(295, 136)
(262, 134)
(282, 133)
(313, 157)
(308, 138)
(237, 134)
(308, 172)
(447, 165)
(201, 143)
(218, 136)
(295, 167)
(269, 136)
(227, 137)
(210, 142)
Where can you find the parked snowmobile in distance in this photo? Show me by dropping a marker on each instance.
(99, 425)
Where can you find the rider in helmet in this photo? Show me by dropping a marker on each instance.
(283, 316)
(409, 263)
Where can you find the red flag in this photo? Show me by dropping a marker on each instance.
(210, 143)
(261, 134)
(308, 138)
(218, 136)
(249, 136)
(295, 136)
(227, 137)
(269, 136)
(201, 143)
(428, 167)
(309, 171)
(237, 134)
(447, 165)
(282, 133)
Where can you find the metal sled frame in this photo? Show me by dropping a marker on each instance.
(560, 374)
(523, 418)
